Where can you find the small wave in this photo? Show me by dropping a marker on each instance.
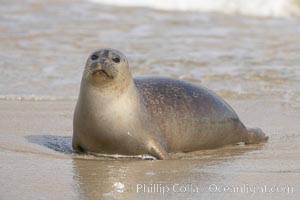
(35, 98)
(260, 8)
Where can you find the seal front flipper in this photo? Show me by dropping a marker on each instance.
(158, 150)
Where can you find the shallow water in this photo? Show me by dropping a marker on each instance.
(252, 62)
(45, 47)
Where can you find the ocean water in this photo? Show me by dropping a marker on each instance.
(262, 8)
(246, 51)
(44, 48)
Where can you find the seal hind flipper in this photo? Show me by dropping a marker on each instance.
(255, 136)
(158, 151)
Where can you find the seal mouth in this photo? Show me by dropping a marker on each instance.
(102, 72)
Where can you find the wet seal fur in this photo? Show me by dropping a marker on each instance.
(116, 114)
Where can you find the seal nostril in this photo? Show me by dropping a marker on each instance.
(94, 57)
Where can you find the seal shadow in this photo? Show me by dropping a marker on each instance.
(62, 144)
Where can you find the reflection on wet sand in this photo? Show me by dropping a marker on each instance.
(144, 179)
(187, 175)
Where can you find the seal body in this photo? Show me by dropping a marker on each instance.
(116, 114)
(189, 117)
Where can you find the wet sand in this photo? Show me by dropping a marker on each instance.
(251, 62)
(37, 161)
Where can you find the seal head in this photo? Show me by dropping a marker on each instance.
(106, 65)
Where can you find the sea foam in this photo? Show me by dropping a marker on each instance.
(259, 8)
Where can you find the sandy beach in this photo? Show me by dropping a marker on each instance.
(37, 161)
(252, 62)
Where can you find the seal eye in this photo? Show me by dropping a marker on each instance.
(116, 59)
(94, 57)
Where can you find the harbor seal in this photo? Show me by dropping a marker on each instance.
(118, 114)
